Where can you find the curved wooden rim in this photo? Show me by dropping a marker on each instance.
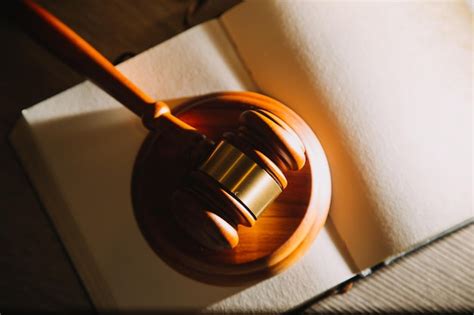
(307, 229)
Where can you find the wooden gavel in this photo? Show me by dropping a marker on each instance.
(233, 184)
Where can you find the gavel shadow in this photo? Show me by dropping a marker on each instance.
(89, 160)
(116, 243)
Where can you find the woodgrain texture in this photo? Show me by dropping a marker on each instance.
(35, 271)
(280, 236)
(260, 130)
(438, 278)
(72, 49)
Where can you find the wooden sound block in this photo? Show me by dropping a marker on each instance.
(281, 234)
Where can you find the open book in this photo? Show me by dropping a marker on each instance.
(385, 86)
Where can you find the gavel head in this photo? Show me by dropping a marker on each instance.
(208, 169)
(241, 177)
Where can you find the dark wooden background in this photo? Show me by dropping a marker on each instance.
(35, 271)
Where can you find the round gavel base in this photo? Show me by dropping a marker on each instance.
(282, 233)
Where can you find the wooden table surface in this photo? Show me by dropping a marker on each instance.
(35, 271)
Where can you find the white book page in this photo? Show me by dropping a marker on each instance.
(387, 88)
(87, 144)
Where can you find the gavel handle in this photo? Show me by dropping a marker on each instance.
(69, 47)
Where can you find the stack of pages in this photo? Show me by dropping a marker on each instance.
(386, 87)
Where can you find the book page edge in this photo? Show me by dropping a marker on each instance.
(22, 140)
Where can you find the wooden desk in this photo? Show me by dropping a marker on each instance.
(35, 271)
